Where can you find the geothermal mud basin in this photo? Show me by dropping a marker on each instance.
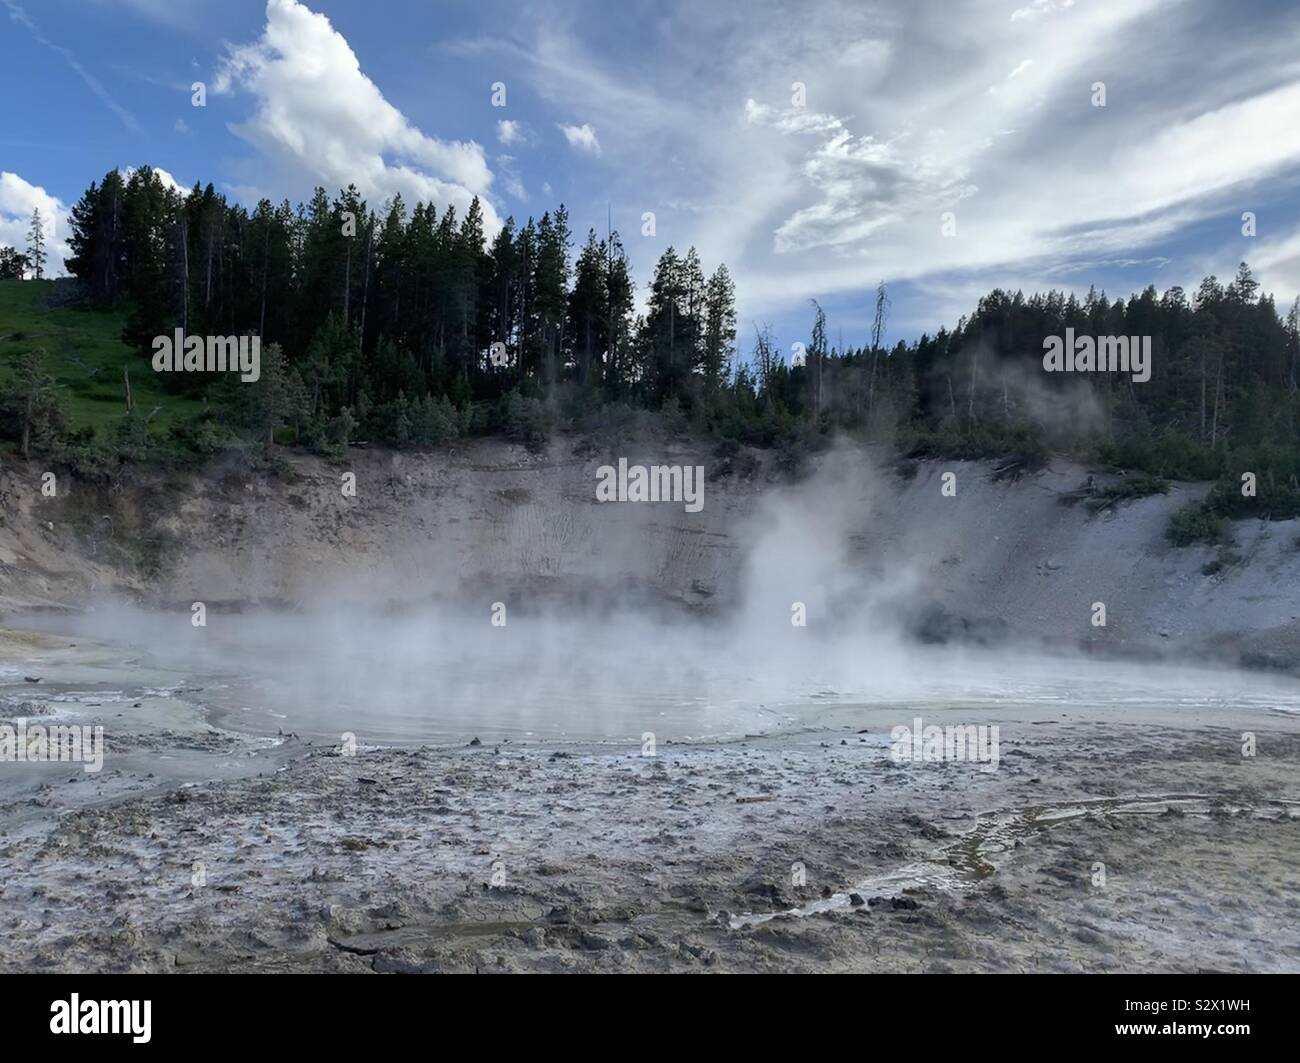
(232, 826)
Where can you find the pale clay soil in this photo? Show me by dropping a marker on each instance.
(571, 858)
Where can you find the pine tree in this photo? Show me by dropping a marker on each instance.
(550, 288)
(152, 247)
(391, 256)
(40, 414)
(98, 252)
(691, 329)
(817, 359)
(620, 295)
(274, 400)
(503, 289)
(589, 309)
(661, 335)
(36, 245)
(719, 329)
(472, 274)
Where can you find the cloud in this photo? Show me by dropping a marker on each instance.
(791, 119)
(511, 181)
(1042, 184)
(166, 178)
(1276, 263)
(1039, 8)
(864, 184)
(19, 15)
(509, 132)
(18, 198)
(317, 114)
(582, 137)
(165, 12)
(825, 200)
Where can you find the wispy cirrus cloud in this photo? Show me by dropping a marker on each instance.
(1001, 132)
(19, 15)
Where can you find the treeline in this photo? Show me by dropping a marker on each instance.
(381, 325)
(1223, 398)
(387, 321)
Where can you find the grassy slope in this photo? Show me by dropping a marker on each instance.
(85, 354)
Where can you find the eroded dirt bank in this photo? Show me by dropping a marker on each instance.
(1002, 559)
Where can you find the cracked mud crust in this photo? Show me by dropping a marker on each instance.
(1098, 845)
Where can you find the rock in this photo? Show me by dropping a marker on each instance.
(856, 900)
(475, 741)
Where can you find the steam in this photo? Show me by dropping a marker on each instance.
(614, 667)
(1066, 408)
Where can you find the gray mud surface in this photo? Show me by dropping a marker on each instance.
(219, 852)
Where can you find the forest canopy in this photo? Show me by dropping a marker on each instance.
(377, 323)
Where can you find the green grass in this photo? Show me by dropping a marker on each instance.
(85, 354)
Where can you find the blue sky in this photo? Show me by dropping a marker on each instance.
(909, 111)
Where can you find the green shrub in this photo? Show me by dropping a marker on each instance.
(1197, 523)
(1129, 488)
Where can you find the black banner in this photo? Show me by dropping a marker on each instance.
(143, 1012)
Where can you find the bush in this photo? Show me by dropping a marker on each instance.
(1198, 523)
(1129, 488)
(200, 435)
(526, 420)
(1273, 501)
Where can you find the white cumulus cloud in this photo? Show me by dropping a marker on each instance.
(509, 132)
(167, 179)
(18, 198)
(582, 137)
(317, 114)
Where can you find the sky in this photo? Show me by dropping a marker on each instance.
(817, 148)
